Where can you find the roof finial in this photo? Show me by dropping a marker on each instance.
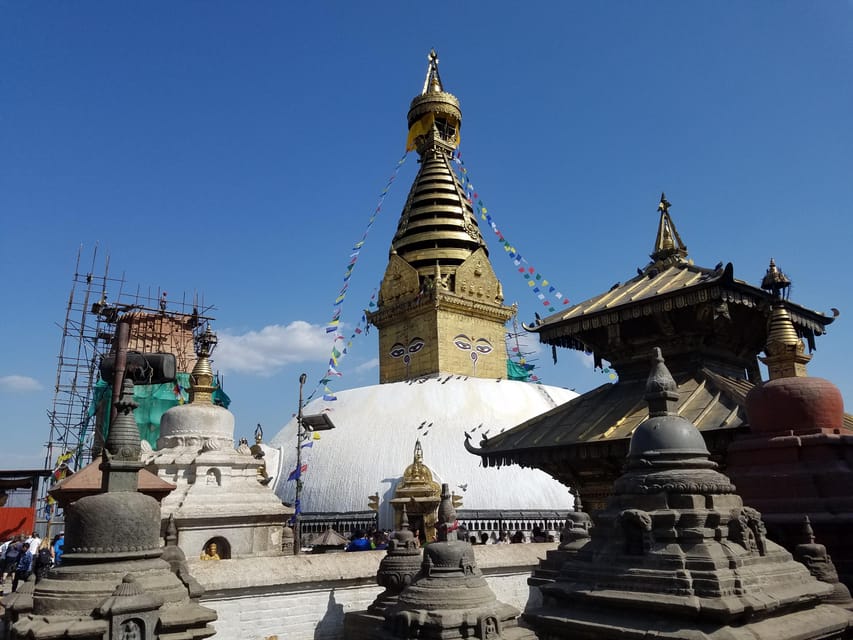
(775, 281)
(433, 80)
(668, 245)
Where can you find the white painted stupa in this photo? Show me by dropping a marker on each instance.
(443, 360)
(221, 496)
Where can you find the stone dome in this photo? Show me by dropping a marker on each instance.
(113, 526)
(667, 436)
(794, 404)
(197, 423)
(377, 426)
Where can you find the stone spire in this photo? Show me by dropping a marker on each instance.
(113, 581)
(449, 597)
(669, 248)
(440, 303)
(677, 554)
(820, 565)
(398, 567)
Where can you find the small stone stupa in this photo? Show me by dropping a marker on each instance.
(396, 571)
(676, 554)
(222, 507)
(114, 582)
(449, 597)
(574, 535)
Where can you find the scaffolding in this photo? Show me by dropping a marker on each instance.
(97, 301)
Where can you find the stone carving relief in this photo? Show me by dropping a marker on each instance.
(131, 630)
(637, 528)
(747, 530)
(400, 279)
(489, 628)
(213, 477)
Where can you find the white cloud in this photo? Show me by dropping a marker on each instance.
(585, 358)
(264, 352)
(367, 366)
(19, 384)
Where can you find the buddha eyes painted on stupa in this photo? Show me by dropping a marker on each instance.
(467, 343)
(398, 350)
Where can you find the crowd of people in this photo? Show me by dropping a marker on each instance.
(361, 540)
(21, 556)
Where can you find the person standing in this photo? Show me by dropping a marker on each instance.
(10, 558)
(25, 566)
(43, 560)
(58, 546)
(34, 542)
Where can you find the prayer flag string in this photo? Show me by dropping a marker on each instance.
(546, 293)
(333, 325)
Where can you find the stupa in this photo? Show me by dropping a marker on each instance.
(449, 597)
(676, 554)
(797, 458)
(221, 497)
(442, 367)
(396, 571)
(114, 582)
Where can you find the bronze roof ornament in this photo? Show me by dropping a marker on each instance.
(201, 378)
(776, 282)
(669, 249)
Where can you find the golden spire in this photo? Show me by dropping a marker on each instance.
(434, 115)
(201, 378)
(440, 303)
(668, 245)
(437, 229)
(786, 356)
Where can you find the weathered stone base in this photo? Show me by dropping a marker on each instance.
(306, 597)
(824, 622)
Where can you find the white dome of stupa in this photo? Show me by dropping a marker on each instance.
(376, 428)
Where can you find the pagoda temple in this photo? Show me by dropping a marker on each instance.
(709, 325)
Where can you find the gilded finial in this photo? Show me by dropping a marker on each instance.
(434, 115)
(786, 353)
(669, 249)
(201, 378)
(664, 204)
(775, 281)
(433, 80)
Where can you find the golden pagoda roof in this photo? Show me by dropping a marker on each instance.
(612, 411)
(437, 226)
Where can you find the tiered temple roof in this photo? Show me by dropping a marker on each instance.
(709, 325)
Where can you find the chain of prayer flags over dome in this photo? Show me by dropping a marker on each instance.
(338, 351)
(542, 288)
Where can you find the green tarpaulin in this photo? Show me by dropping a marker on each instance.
(153, 400)
(518, 371)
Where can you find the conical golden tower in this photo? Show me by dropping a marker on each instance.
(440, 303)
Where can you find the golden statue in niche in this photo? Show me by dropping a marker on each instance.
(211, 552)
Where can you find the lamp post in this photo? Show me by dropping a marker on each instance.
(305, 426)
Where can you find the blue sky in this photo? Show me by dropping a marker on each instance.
(238, 150)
